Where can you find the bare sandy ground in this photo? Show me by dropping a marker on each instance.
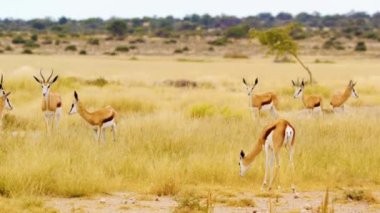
(132, 202)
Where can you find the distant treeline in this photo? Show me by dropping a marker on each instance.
(355, 24)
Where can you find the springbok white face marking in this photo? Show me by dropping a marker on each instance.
(8, 104)
(250, 87)
(243, 169)
(45, 84)
(298, 90)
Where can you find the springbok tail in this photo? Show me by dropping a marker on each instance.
(290, 134)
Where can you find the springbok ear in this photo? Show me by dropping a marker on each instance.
(244, 82)
(76, 95)
(302, 83)
(256, 81)
(7, 94)
(242, 155)
(55, 78)
(354, 84)
(350, 83)
(1, 82)
(38, 80)
(294, 84)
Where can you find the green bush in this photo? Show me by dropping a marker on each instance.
(170, 41)
(9, 48)
(122, 49)
(27, 51)
(57, 42)
(137, 40)
(18, 40)
(99, 82)
(83, 52)
(31, 44)
(93, 41)
(202, 110)
(333, 43)
(238, 31)
(360, 46)
(34, 37)
(71, 48)
(219, 41)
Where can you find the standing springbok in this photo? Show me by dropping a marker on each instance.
(338, 99)
(311, 102)
(272, 138)
(4, 103)
(99, 119)
(258, 102)
(51, 102)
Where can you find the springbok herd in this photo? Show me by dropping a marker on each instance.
(274, 136)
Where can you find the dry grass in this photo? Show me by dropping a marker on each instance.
(174, 138)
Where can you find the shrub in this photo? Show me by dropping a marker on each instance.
(31, 44)
(170, 41)
(93, 41)
(238, 31)
(18, 40)
(34, 37)
(178, 51)
(71, 48)
(360, 46)
(211, 49)
(57, 42)
(122, 49)
(8, 48)
(83, 52)
(27, 51)
(132, 47)
(47, 42)
(236, 56)
(110, 53)
(137, 40)
(202, 110)
(219, 41)
(1, 51)
(100, 82)
(333, 43)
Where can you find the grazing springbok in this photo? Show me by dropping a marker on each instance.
(4, 103)
(51, 102)
(258, 102)
(311, 102)
(99, 119)
(338, 99)
(274, 136)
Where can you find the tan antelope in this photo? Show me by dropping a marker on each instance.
(5, 103)
(311, 102)
(99, 119)
(51, 101)
(338, 99)
(274, 136)
(258, 102)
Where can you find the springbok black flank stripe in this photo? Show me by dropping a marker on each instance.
(269, 131)
(267, 102)
(108, 119)
(317, 104)
(59, 104)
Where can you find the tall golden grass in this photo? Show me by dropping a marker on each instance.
(170, 138)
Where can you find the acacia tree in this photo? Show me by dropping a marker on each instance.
(279, 42)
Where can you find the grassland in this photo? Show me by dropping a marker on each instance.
(171, 140)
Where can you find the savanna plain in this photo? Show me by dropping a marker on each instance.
(177, 148)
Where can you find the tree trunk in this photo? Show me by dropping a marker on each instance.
(305, 67)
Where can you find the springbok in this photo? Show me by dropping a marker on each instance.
(272, 138)
(311, 102)
(51, 102)
(99, 119)
(4, 103)
(338, 99)
(265, 101)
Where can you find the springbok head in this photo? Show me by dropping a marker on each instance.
(351, 86)
(249, 86)
(45, 84)
(243, 168)
(298, 89)
(7, 102)
(74, 108)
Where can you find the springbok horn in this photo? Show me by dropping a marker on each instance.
(42, 76)
(51, 74)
